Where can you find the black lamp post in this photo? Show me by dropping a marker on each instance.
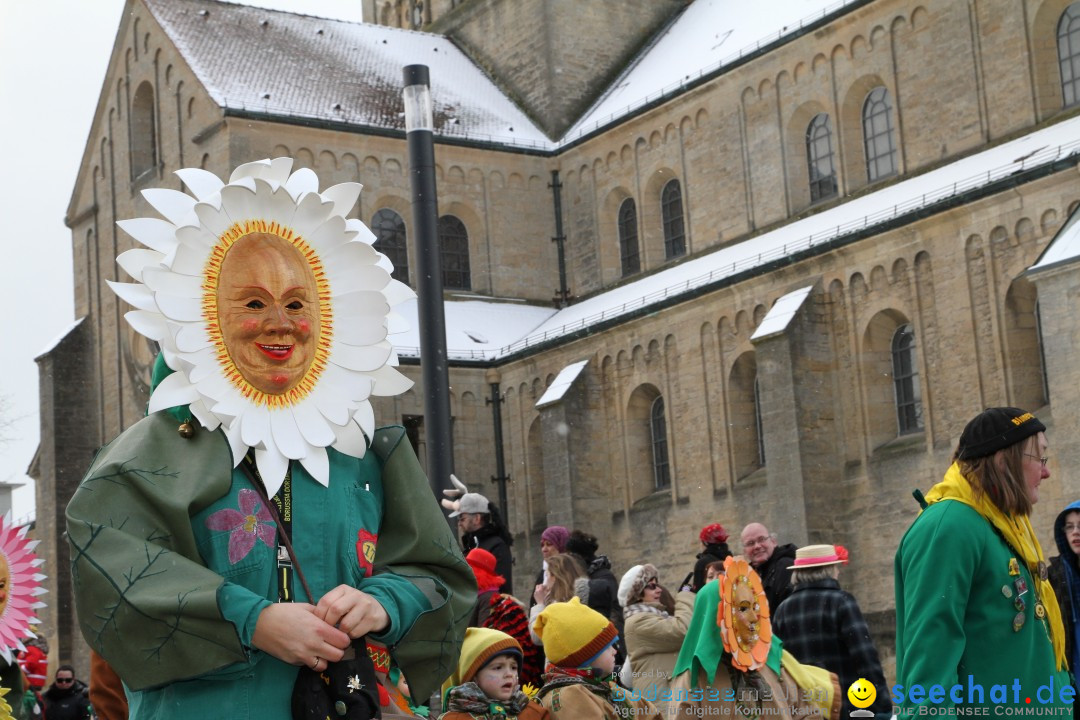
(419, 127)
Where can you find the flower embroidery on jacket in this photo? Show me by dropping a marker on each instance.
(250, 523)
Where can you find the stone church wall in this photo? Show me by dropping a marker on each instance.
(835, 469)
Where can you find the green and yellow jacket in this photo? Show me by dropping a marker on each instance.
(959, 621)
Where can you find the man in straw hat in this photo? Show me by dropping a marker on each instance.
(822, 625)
(975, 614)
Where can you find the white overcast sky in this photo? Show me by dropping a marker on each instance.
(53, 56)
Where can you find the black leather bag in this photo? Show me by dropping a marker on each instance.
(345, 689)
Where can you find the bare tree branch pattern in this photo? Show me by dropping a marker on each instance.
(174, 627)
(153, 555)
(144, 474)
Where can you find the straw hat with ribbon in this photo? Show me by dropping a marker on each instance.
(813, 556)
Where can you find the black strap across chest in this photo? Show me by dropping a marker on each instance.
(280, 509)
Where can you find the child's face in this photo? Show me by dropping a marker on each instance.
(605, 664)
(403, 687)
(499, 678)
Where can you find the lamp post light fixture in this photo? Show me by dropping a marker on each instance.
(419, 113)
(434, 372)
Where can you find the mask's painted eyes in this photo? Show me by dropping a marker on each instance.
(256, 305)
(295, 305)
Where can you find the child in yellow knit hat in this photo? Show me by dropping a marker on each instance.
(580, 647)
(485, 684)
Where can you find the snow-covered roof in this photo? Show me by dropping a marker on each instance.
(707, 36)
(781, 313)
(1064, 248)
(56, 341)
(475, 329)
(561, 384)
(300, 66)
(877, 209)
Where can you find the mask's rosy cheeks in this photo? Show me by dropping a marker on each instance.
(251, 325)
(304, 325)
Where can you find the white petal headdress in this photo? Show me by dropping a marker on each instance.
(175, 301)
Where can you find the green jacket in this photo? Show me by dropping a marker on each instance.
(159, 596)
(958, 622)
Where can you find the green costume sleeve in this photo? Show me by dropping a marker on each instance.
(935, 566)
(403, 601)
(144, 600)
(416, 543)
(241, 607)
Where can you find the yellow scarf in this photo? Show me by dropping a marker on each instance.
(821, 687)
(1020, 536)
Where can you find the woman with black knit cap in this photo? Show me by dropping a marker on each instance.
(975, 613)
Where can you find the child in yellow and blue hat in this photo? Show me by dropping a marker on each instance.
(485, 685)
(580, 647)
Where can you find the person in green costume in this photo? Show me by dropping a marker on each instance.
(272, 310)
(977, 623)
(731, 665)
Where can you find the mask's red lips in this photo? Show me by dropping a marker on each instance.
(276, 352)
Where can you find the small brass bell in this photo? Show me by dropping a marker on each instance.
(340, 708)
(186, 430)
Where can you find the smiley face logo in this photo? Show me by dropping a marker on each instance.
(862, 693)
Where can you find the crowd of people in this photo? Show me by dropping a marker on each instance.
(768, 630)
(979, 609)
(581, 616)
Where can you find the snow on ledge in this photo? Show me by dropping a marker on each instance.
(561, 384)
(1064, 248)
(59, 338)
(781, 313)
(514, 327)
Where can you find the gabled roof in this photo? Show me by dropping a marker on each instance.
(299, 66)
(304, 67)
(707, 38)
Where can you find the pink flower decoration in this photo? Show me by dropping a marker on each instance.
(252, 522)
(841, 553)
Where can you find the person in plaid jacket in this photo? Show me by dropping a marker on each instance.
(820, 624)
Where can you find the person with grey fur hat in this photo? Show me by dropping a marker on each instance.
(654, 629)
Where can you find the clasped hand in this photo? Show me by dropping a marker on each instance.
(298, 633)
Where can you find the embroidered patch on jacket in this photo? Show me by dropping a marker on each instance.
(365, 550)
(252, 522)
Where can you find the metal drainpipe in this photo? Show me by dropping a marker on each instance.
(562, 295)
(492, 376)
